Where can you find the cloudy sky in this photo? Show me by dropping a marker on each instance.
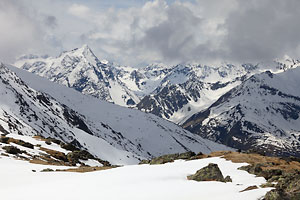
(135, 32)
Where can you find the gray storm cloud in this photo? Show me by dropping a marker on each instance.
(18, 31)
(263, 30)
(182, 31)
(50, 21)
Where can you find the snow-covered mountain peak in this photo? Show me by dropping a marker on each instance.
(120, 135)
(82, 70)
(263, 112)
(173, 92)
(86, 51)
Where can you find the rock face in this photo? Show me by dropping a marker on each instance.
(186, 89)
(209, 173)
(262, 113)
(288, 181)
(81, 70)
(172, 92)
(120, 135)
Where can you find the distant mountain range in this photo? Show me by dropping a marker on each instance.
(189, 95)
(262, 113)
(32, 105)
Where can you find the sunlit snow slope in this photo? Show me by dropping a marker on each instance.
(112, 132)
(147, 182)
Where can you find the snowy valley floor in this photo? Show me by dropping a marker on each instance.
(143, 182)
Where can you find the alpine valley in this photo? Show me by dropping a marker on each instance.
(244, 106)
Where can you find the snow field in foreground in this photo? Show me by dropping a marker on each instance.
(145, 182)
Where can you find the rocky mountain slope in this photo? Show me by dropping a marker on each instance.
(262, 113)
(186, 89)
(110, 132)
(178, 93)
(171, 92)
(82, 70)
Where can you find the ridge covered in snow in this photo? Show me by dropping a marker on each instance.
(82, 70)
(171, 92)
(262, 113)
(120, 135)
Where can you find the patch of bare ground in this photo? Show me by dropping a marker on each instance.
(253, 187)
(83, 169)
(281, 173)
(268, 163)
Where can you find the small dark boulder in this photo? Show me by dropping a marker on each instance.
(164, 159)
(56, 141)
(187, 155)
(144, 162)
(4, 139)
(48, 142)
(69, 147)
(227, 179)
(47, 170)
(23, 143)
(12, 150)
(73, 157)
(252, 169)
(209, 173)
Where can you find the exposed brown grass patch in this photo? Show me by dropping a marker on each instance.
(55, 154)
(253, 187)
(39, 161)
(271, 162)
(84, 169)
(38, 137)
(4, 154)
(45, 159)
(7, 140)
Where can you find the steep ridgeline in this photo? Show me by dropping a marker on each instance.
(25, 111)
(262, 113)
(187, 89)
(114, 133)
(171, 92)
(82, 70)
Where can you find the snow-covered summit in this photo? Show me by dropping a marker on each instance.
(172, 92)
(120, 135)
(262, 113)
(82, 70)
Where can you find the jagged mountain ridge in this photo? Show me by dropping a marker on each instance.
(188, 89)
(82, 70)
(262, 113)
(28, 112)
(114, 133)
(171, 92)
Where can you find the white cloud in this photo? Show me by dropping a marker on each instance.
(156, 31)
(79, 10)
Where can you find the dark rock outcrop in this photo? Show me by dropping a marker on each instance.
(169, 158)
(209, 173)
